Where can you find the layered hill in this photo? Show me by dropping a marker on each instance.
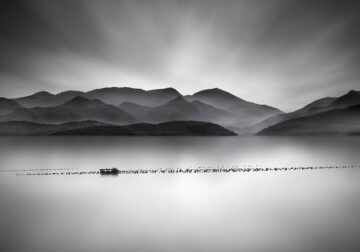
(121, 106)
(313, 108)
(345, 121)
(46, 99)
(77, 109)
(112, 95)
(16, 128)
(160, 105)
(116, 96)
(244, 113)
(177, 109)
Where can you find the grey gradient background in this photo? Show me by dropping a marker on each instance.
(275, 52)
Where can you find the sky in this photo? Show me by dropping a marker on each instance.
(281, 53)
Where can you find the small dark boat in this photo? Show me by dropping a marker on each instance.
(112, 171)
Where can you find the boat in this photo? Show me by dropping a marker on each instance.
(107, 171)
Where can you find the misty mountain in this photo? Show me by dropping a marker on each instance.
(345, 121)
(46, 99)
(137, 111)
(157, 105)
(244, 113)
(318, 106)
(116, 96)
(77, 109)
(176, 110)
(170, 92)
(113, 96)
(41, 99)
(328, 103)
(213, 114)
(175, 128)
(7, 106)
(349, 99)
(216, 97)
(160, 105)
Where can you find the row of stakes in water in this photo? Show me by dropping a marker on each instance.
(189, 170)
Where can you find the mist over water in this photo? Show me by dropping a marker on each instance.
(313, 210)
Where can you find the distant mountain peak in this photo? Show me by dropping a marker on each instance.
(37, 95)
(115, 89)
(43, 93)
(212, 90)
(167, 91)
(353, 92)
(70, 92)
(350, 98)
(170, 89)
(215, 91)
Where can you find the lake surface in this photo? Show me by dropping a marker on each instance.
(311, 210)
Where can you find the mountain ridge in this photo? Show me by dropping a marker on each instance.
(77, 109)
(125, 105)
(338, 121)
(318, 106)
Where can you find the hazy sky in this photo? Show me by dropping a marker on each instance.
(275, 52)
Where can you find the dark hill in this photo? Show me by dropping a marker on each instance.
(14, 128)
(349, 99)
(333, 122)
(318, 106)
(176, 128)
(107, 130)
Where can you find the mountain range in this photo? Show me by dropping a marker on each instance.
(314, 111)
(345, 121)
(109, 109)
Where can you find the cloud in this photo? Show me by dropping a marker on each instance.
(276, 52)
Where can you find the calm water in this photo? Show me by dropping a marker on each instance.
(314, 210)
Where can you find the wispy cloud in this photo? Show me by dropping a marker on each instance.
(281, 53)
